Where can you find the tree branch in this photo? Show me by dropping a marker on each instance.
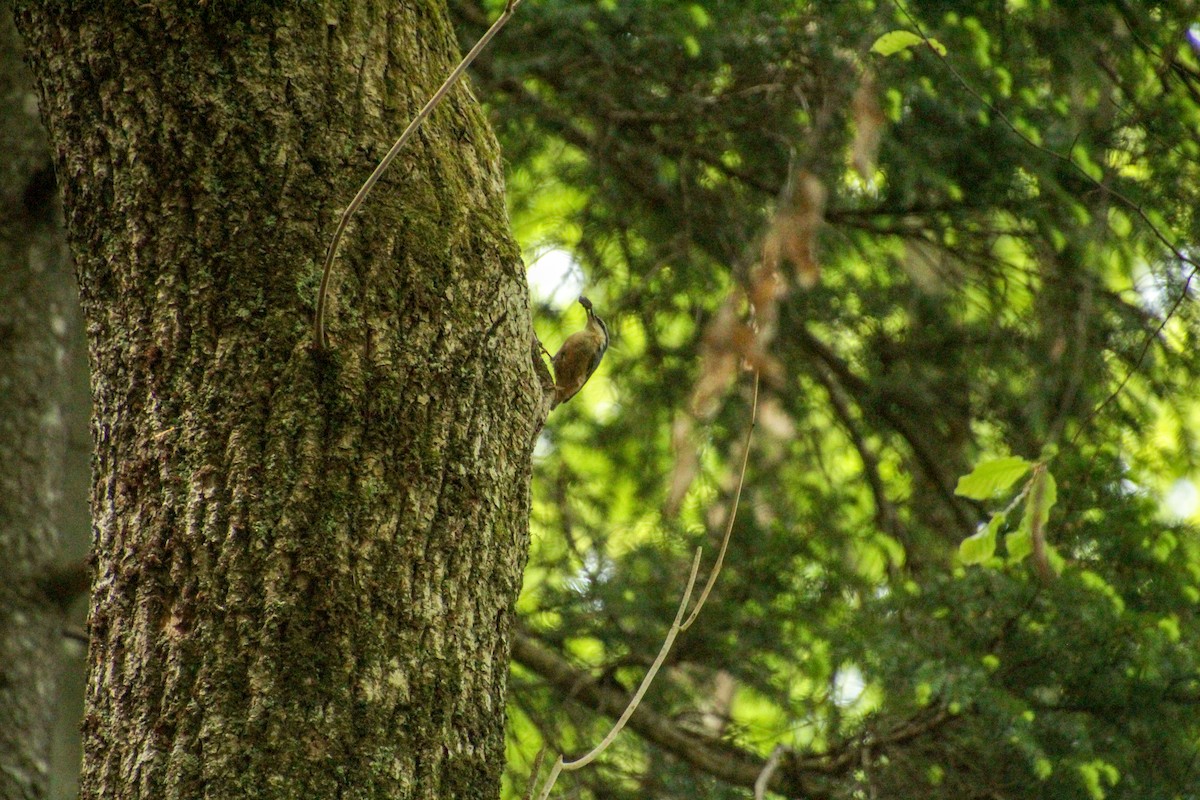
(559, 764)
(1069, 160)
(794, 775)
(865, 396)
(885, 513)
(714, 757)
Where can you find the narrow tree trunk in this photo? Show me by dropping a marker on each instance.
(36, 300)
(306, 562)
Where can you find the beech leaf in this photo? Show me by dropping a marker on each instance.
(1019, 545)
(990, 478)
(894, 42)
(982, 546)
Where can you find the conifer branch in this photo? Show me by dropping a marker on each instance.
(1120, 196)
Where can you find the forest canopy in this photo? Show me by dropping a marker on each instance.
(950, 239)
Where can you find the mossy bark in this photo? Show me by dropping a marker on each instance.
(305, 562)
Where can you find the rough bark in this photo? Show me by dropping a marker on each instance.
(35, 317)
(306, 562)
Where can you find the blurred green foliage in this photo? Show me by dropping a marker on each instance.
(1005, 242)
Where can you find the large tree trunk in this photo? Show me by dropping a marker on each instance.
(305, 562)
(37, 314)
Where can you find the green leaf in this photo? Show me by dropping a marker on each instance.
(1118, 223)
(978, 548)
(893, 42)
(1170, 626)
(700, 16)
(1019, 545)
(990, 478)
(982, 546)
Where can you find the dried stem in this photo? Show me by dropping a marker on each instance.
(768, 770)
(733, 509)
(327, 268)
(1037, 528)
(583, 761)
